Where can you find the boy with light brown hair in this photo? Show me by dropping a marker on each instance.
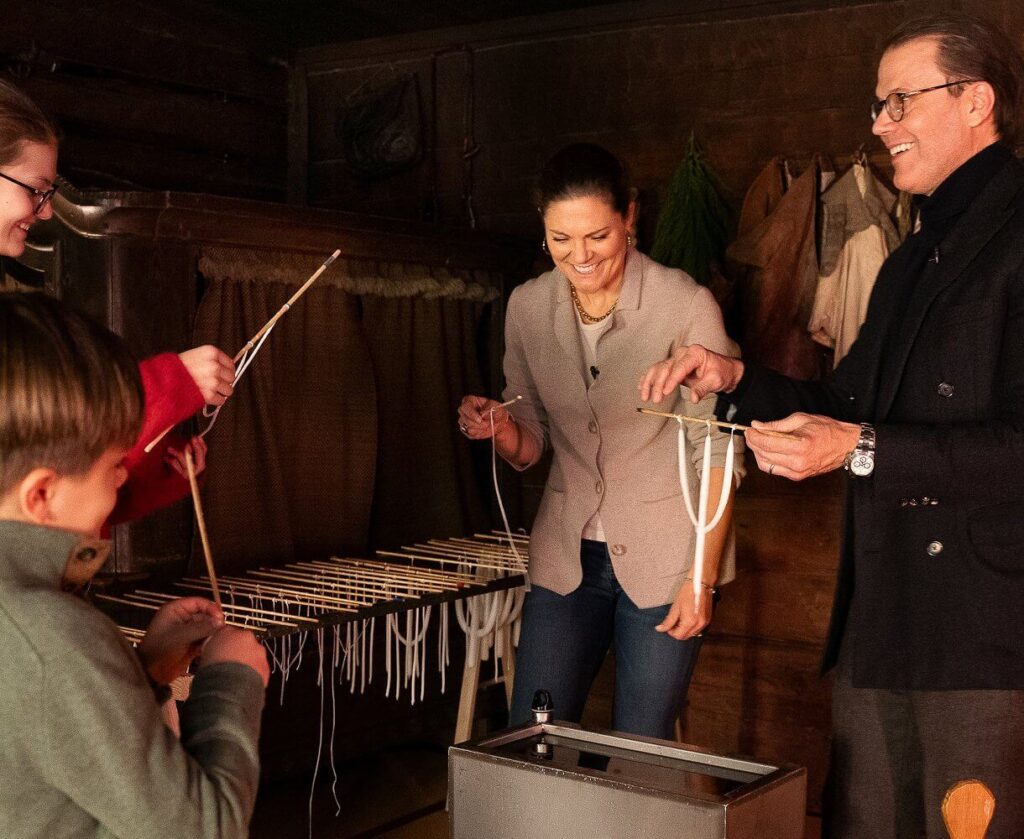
(84, 749)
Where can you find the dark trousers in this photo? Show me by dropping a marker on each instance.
(895, 753)
(564, 641)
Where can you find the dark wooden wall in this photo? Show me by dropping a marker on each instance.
(152, 95)
(752, 79)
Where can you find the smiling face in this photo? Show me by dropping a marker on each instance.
(939, 131)
(587, 239)
(35, 165)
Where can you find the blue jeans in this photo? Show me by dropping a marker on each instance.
(564, 641)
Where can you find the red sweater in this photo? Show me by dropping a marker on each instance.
(171, 396)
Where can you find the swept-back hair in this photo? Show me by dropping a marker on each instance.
(973, 48)
(69, 389)
(584, 170)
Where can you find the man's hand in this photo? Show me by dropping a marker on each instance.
(685, 620)
(701, 370)
(175, 637)
(239, 646)
(213, 372)
(815, 445)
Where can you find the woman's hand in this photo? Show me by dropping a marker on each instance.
(475, 419)
(212, 370)
(685, 619)
(175, 637)
(175, 458)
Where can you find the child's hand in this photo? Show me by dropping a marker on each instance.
(237, 645)
(176, 635)
(175, 458)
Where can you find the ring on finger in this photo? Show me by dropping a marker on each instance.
(463, 428)
(771, 468)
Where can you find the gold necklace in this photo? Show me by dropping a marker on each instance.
(585, 316)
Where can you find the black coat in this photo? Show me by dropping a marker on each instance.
(948, 407)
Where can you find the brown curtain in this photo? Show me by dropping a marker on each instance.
(290, 472)
(425, 355)
(341, 436)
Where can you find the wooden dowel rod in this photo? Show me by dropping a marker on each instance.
(291, 301)
(267, 588)
(152, 443)
(367, 585)
(201, 522)
(482, 559)
(153, 607)
(272, 591)
(228, 608)
(443, 559)
(451, 578)
(293, 588)
(387, 577)
(734, 426)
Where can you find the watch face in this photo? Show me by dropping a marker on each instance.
(862, 465)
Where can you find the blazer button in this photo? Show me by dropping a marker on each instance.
(934, 548)
(618, 550)
(945, 390)
(592, 427)
(599, 487)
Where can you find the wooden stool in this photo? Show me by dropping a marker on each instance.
(967, 810)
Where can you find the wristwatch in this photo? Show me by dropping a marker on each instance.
(861, 461)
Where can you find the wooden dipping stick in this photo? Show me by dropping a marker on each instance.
(735, 426)
(202, 526)
(263, 329)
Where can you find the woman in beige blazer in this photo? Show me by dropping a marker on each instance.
(612, 545)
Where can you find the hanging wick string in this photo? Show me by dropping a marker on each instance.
(253, 345)
(201, 523)
(497, 493)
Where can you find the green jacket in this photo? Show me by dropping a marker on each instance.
(83, 749)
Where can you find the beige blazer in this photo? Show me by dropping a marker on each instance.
(606, 455)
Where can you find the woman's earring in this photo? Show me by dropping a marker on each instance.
(629, 240)
(544, 246)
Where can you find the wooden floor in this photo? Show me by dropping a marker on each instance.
(398, 794)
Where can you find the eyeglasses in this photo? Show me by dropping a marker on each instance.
(895, 103)
(42, 196)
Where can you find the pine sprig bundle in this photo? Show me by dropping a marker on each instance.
(693, 228)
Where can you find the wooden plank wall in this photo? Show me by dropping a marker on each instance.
(752, 79)
(152, 96)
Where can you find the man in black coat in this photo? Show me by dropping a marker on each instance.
(927, 415)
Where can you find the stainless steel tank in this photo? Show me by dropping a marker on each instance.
(558, 780)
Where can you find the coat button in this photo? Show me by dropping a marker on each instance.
(945, 389)
(934, 548)
(592, 427)
(618, 550)
(599, 487)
